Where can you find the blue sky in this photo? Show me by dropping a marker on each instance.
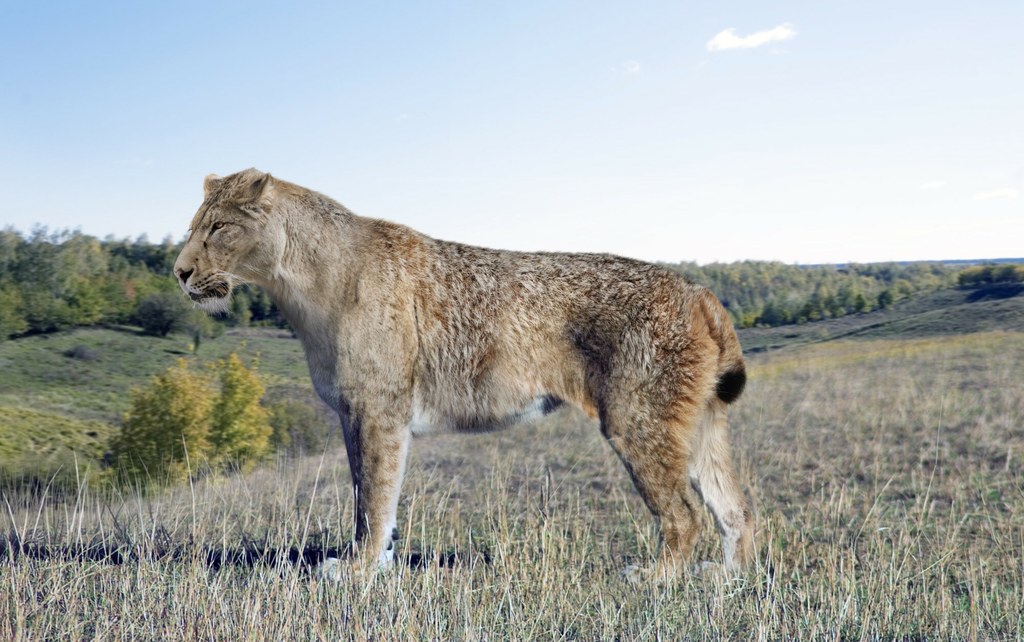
(804, 132)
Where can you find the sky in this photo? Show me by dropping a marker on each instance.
(803, 132)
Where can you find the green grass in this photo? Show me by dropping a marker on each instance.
(29, 430)
(35, 371)
(55, 407)
(36, 443)
(888, 478)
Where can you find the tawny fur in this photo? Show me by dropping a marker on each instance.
(404, 333)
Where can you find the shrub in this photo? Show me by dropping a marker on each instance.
(886, 298)
(166, 431)
(161, 313)
(990, 274)
(12, 319)
(187, 421)
(239, 429)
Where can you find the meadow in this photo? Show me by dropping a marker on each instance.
(887, 475)
(62, 395)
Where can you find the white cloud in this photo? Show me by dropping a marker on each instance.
(1004, 192)
(729, 40)
(933, 184)
(629, 67)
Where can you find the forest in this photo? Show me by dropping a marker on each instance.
(52, 281)
(55, 280)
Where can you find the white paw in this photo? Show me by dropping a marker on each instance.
(386, 559)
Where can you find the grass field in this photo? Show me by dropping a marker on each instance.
(887, 476)
(62, 395)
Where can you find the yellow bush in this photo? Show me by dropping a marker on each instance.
(187, 421)
(166, 431)
(240, 428)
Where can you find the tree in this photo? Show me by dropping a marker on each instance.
(989, 274)
(12, 320)
(240, 427)
(240, 314)
(183, 421)
(774, 313)
(43, 311)
(166, 432)
(199, 324)
(86, 302)
(161, 312)
(1009, 273)
(860, 303)
(886, 298)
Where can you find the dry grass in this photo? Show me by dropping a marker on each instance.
(888, 478)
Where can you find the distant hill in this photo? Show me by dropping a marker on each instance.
(946, 262)
(960, 262)
(944, 312)
(52, 282)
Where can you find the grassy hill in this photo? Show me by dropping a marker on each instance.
(62, 395)
(943, 313)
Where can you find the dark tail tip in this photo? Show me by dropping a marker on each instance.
(730, 385)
